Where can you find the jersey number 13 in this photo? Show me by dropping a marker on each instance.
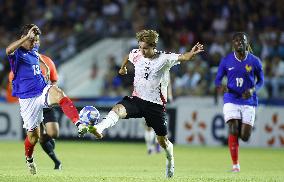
(36, 69)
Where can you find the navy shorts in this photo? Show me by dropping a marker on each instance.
(154, 114)
(49, 115)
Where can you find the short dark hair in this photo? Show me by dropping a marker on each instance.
(25, 29)
(236, 34)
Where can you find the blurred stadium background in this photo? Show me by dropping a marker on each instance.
(88, 39)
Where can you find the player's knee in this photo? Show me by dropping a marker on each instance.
(119, 110)
(233, 129)
(245, 137)
(53, 134)
(162, 141)
(34, 139)
(56, 94)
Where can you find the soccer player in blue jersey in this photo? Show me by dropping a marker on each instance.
(245, 76)
(32, 90)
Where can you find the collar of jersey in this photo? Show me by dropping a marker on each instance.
(239, 59)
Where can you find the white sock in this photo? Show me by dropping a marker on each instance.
(169, 151)
(149, 139)
(109, 121)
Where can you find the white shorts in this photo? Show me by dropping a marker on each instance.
(245, 113)
(31, 109)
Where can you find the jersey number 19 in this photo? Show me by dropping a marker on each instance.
(240, 82)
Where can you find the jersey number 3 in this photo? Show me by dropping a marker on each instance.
(240, 82)
(36, 69)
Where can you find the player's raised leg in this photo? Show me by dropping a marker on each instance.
(117, 112)
(246, 130)
(248, 113)
(168, 147)
(57, 96)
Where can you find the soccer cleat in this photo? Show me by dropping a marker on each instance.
(236, 168)
(150, 151)
(32, 167)
(58, 166)
(170, 167)
(82, 130)
(93, 130)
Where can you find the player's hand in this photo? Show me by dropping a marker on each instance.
(33, 32)
(82, 130)
(197, 48)
(222, 89)
(248, 93)
(47, 77)
(123, 71)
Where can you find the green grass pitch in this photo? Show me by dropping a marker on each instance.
(105, 161)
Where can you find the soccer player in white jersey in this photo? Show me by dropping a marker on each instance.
(150, 90)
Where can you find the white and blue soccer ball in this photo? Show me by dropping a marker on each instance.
(89, 115)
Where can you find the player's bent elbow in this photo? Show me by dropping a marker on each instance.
(8, 51)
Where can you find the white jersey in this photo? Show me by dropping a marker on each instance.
(152, 75)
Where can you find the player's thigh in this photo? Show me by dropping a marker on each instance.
(55, 94)
(248, 114)
(231, 112)
(31, 112)
(129, 108)
(156, 118)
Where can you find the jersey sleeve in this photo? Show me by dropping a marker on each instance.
(259, 75)
(220, 74)
(13, 60)
(172, 59)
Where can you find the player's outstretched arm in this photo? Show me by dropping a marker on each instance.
(123, 69)
(15, 45)
(197, 48)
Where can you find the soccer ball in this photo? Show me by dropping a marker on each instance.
(89, 115)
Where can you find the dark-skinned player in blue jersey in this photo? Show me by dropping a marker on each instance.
(244, 77)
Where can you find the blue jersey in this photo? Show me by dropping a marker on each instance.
(241, 76)
(28, 80)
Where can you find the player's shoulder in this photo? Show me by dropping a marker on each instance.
(254, 57)
(229, 56)
(46, 59)
(163, 53)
